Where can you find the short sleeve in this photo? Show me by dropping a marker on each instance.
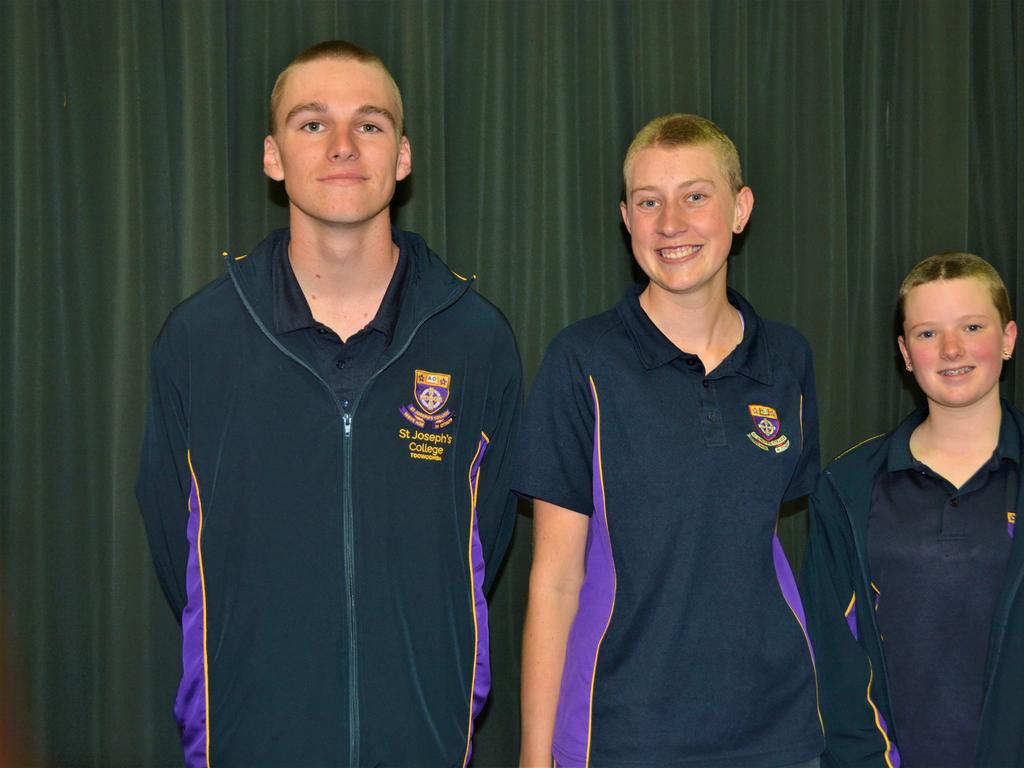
(806, 474)
(554, 452)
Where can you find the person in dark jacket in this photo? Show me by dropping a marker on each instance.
(913, 573)
(324, 477)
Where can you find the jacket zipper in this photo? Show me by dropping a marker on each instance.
(348, 542)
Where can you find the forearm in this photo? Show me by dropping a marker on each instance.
(549, 616)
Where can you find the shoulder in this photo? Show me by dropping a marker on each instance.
(858, 465)
(199, 316)
(587, 338)
(787, 344)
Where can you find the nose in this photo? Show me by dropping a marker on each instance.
(673, 219)
(343, 146)
(951, 347)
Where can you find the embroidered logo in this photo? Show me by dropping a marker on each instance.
(1011, 523)
(430, 395)
(767, 429)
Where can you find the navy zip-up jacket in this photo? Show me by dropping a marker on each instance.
(329, 570)
(839, 604)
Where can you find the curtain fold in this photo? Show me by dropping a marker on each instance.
(873, 133)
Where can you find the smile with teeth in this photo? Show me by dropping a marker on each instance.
(957, 371)
(678, 252)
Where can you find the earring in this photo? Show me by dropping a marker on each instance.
(910, 367)
(1007, 355)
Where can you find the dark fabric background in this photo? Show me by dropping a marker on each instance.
(873, 133)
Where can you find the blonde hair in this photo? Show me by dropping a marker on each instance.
(680, 130)
(954, 265)
(334, 49)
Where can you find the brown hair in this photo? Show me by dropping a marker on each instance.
(686, 131)
(954, 265)
(334, 49)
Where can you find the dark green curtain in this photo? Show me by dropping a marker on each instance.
(873, 134)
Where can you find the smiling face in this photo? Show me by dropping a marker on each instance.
(954, 342)
(681, 214)
(336, 146)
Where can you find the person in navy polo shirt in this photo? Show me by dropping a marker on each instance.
(663, 626)
(913, 574)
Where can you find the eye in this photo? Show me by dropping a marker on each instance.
(648, 204)
(974, 327)
(313, 126)
(369, 128)
(696, 197)
(926, 335)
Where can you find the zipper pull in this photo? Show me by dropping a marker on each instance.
(347, 421)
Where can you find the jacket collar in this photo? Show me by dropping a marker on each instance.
(430, 285)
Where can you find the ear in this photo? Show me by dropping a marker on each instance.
(625, 216)
(404, 165)
(1009, 338)
(742, 207)
(272, 159)
(903, 351)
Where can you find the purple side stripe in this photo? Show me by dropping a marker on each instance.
(597, 600)
(788, 586)
(893, 754)
(482, 676)
(190, 703)
(851, 621)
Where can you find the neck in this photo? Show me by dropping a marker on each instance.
(706, 324)
(343, 272)
(974, 428)
(338, 263)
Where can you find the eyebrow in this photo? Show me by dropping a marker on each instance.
(319, 108)
(681, 185)
(960, 319)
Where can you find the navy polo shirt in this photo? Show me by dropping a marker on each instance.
(688, 647)
(345, 365)
(938, 558)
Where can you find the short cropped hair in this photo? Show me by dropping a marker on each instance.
(686, 131)
(953, 265)
(334, 49)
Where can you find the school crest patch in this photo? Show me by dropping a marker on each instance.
(767, 434)
(430, 394)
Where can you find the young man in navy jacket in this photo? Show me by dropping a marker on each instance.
(324, 479)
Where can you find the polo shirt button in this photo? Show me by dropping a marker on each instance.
(344, 403)
(706, 383)
(321, 331)
(955, 502)
(340, 363)
(691, 361)
(712, 416)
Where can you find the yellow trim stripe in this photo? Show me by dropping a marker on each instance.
(474, 487)
(615, 576)
(849, 608)
(878, 720)
(858, 445)
(202, 584)
(239, 258)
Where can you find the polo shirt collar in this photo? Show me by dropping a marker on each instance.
(292, 312)
(751, 357)
(900, 458)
